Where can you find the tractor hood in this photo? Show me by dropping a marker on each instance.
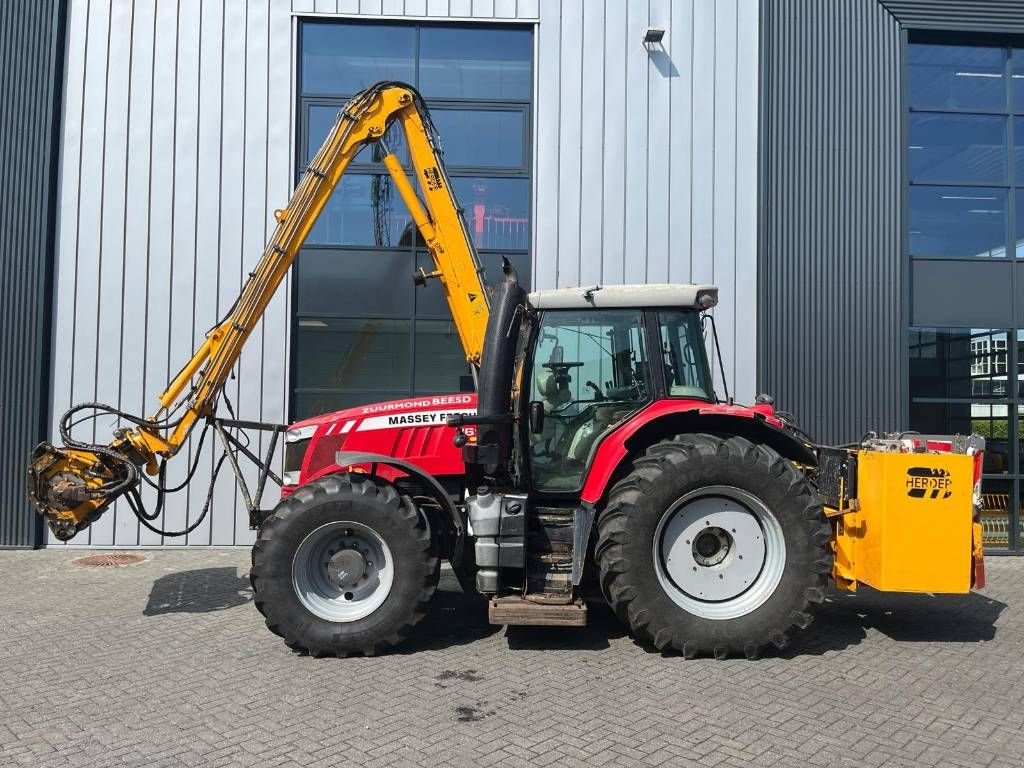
(413, 429)
(427, 408)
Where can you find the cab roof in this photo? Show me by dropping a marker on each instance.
(626, 296)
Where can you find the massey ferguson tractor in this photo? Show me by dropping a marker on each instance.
(595, 458)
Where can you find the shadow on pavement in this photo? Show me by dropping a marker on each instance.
(454, 618)
(602, 626)
(202, 590)
(844, 620)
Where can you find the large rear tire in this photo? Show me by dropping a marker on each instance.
(344, 565)
(713, 546)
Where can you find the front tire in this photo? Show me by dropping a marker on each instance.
(713, 546)
(344, 565)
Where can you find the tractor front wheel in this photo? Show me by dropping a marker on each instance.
(344, 565)
(713, 546)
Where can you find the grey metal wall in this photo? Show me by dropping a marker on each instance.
(831, 289)
(647, 161)
(31, 46)
(177, 145)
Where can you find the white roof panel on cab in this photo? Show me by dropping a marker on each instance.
(624, 296)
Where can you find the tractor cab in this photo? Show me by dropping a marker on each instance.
(563, 367)
(594, 357)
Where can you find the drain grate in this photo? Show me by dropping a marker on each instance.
(108, 560)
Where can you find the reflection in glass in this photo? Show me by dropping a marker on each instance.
(440, 360)
(364, 209)
(342, 59)
(1018, 238)
(475, 63)
(1018, 149)
(995, 512)
(321, 120)
(957, 222)
(1017, 79)
(990, 420)
(955, 77)
(347, 282)
(496, 211)
(589, 372)
(371, 354)
(481, 138)
(308, 404)
(957, 148)
(430, 301)
(958, 363)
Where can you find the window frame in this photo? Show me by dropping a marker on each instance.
(303, 100)
(655, 391)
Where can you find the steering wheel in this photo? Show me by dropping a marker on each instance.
(556, 366)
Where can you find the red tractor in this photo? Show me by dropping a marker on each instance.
(593, 404)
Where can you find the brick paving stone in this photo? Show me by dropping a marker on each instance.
(167, 663)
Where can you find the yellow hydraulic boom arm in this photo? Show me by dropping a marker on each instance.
(72, 486)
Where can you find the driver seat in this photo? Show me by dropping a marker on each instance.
(552, 394)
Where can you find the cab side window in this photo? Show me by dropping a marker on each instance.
(590, 370)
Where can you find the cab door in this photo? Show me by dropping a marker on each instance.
(586, 372)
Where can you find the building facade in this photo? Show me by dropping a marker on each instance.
(845, 172)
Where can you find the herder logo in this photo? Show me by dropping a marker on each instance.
(928, 483)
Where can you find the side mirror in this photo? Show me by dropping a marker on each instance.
(536, 417)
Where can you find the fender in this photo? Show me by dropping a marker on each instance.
(756, 421)
(349, 459)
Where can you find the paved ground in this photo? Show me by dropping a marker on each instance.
(166, 663)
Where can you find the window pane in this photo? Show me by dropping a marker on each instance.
(1020, 363)
(957, 221)
(321, 120)
(957, 148)
(684, 356)
(1019, 238)
(481, 138)
(440, 360)
(995, 513)
(342, 59)
(496, 211)
(352, 354)
(336, 282)
(958, 363)
(590, 371)
(308, 404)
(955, 77)
(430, 301)
(474, 63)
(1018, 149)
(365, 209)
(1017, 79)
(990, 420)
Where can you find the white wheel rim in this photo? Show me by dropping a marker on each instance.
(341, 595)
(719, 552)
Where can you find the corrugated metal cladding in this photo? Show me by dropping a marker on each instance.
(831, 288)
(31, 42)
(177, 146)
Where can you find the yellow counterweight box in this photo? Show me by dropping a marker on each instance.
(913, 524)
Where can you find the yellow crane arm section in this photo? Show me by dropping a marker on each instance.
(72, 486)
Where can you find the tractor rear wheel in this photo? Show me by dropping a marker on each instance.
(344, 565)
(713, 545)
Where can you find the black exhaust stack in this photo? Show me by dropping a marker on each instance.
(494, 402)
